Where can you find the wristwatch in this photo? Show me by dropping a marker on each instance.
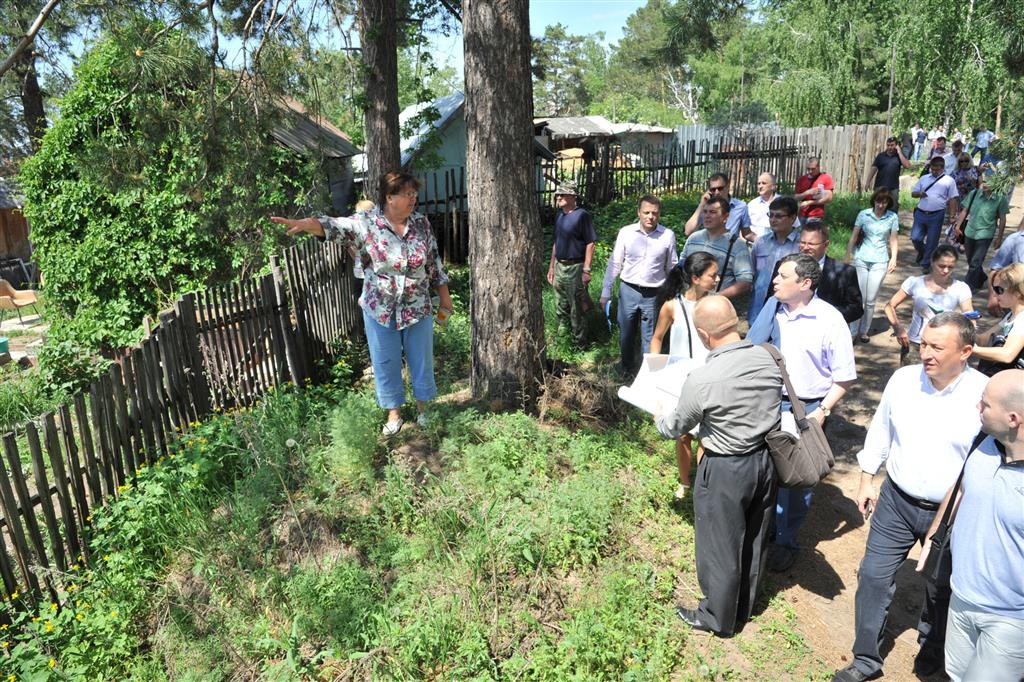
(824, 410)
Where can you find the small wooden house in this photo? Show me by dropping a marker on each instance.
(14, 241)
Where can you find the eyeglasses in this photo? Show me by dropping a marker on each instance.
(407, 195)
(779, 216)
(998, 290)
(716, 189)
(803, 243)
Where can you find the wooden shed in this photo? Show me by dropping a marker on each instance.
(14, 241)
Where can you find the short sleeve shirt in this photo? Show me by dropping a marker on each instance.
(983, 139)
(737, 269)
(875, 247)
(804, 183)
(988, 536)
(985, 213)
(399, 272)
(1011, 251)
(573, 231)
(889, 166)
(928, 304)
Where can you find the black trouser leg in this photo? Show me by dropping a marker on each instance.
(733, 503)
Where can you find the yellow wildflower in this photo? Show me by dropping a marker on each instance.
(53, 662)
(49, 626)
(53, 606)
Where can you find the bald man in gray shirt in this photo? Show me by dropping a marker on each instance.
(735, 397)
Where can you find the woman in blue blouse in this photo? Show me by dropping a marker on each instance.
(873, 248)
(400, 270)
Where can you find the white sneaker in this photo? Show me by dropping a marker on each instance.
(392, 427)
(423, 420)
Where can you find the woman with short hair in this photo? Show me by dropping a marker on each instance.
(402, 268)
(873, 247)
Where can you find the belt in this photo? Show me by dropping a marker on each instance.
(650, 291)
(569, 261)
(927, 505)
(712, 453)
(938, 210)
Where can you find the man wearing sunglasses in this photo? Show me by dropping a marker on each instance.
(738, 221)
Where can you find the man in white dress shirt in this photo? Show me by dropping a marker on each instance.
(757, 208)
(922, 431)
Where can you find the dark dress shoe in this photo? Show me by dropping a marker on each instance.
(929, 661)
(852, 673)
(690, 617)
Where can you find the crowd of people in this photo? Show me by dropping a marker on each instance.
(770, 254)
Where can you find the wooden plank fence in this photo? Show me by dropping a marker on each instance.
(218, 348)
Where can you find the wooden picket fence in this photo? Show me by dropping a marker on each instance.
(219, 348)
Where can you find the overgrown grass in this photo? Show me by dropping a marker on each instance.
(23, 395)
(288, 542)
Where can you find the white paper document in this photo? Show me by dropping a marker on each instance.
(659, 383)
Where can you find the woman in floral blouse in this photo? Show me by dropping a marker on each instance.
(402, 270)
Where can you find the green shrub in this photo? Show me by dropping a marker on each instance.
(354, 427)
(139, 190)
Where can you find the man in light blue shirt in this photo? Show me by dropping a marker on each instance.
(1010, 251)
(981, 142)
(781, 240)
(985, 634)
(738, 222)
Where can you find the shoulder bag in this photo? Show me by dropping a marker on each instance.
(940, 553)
(800, 462)
(961, 237)
(725, 263)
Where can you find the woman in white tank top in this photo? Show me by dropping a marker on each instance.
(687, 283)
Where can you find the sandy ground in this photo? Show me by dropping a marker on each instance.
(822, 584)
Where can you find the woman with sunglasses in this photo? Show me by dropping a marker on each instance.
(1001, 346)
(401, 270)
(688, 282)
(965, 175)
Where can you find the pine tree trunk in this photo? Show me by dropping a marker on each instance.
(378, 28)
(504, 223)
(32, 105)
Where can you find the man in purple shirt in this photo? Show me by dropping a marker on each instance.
(644, 254)
(815, 341)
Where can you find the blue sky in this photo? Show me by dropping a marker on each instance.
(581, 17)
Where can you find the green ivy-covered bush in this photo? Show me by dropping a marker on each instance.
(156, 178)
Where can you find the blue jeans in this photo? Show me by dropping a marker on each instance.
(636, 309)
(869, 278)
(897, 525)
(791, 504)
(918, 146)
(925, 234)
(387, 344)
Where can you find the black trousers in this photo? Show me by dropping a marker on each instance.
(733, 502)
(896, 527)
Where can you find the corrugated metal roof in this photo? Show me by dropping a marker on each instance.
(576, 126)
(303, 134)
(10, 197)
(619, 128)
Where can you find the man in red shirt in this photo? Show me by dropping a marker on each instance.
(813, 191)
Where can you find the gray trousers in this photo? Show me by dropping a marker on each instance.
(733, 505)
(982, 646)
(897, 525)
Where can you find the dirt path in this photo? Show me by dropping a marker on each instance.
(822, 584)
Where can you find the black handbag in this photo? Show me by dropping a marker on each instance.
(991, 367)
(940, 553)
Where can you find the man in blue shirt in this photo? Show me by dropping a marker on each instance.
(985, 635)
(738, 222)
(981, 142)
(571, 254)
(781, 240)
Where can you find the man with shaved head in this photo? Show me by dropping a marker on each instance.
(735, 397)
(985, 631)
